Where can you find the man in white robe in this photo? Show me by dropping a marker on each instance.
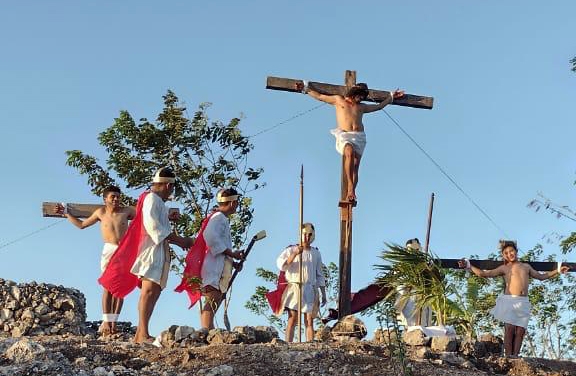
(312, 280)
(219, 243)
(153, 261)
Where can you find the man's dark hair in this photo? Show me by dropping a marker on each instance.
(508, 243)
(228, 192)
(166, 172)
(110, 189)
(358, 90)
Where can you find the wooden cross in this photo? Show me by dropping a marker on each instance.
(377, 96)
(541, 266)
(78, 210)
(374, 293)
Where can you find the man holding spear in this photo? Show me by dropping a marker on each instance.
(312, 280)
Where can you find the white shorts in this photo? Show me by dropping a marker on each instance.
(107, 253)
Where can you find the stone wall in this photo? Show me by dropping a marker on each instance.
(38, 309)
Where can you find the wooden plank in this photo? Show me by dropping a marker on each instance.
(541, 266)
(78, 210)
(376, 96)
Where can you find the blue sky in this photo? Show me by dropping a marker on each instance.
(500, 126)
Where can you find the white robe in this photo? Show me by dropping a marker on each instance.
(153, 261)
(312, 278)
(218, 238)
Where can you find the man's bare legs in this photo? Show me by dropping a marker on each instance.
(116, 308)
(110, 305)
(149, 294)
(309, 322)
(292, 319)
(518, 338)
(513, 337)
(508, 339)
(351, 167)
(213, 298)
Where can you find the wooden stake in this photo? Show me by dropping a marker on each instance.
(300, 255)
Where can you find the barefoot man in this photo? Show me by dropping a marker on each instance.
(350, 136)
(113, 224)
(513, 307)
(143, 257)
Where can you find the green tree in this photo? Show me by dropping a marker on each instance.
(205, 155)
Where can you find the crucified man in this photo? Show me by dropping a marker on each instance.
(350, 136)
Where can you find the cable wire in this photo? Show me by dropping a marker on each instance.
(458, 187)
(30, 234)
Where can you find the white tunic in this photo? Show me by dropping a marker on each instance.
(153, 261)
(218, 238)
(312, 278)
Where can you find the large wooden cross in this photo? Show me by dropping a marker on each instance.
(377, 96)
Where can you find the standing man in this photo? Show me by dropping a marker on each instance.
(312, 280)
(218, 238)
(350, 136)
(143, 257)
(513, 307)
(113, 225)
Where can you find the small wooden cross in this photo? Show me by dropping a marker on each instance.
(377, 96)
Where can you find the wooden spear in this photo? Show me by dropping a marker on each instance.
(300, 255)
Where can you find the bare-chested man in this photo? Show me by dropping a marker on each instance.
(350, 136)
(113, 224)
(513, 308)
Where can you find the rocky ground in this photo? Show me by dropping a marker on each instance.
(43, 331)
(87, 355)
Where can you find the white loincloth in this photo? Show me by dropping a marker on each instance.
(512, 309)
(356, 139)
(107, 253)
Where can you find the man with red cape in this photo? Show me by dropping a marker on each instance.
(142, 258)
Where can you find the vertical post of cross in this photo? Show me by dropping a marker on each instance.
(345, 230)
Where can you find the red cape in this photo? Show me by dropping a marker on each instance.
(117, 278)
(194, 261)
(275, 297)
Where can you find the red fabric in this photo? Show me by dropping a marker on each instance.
(194, 261)
(275, 297)
(117, 278)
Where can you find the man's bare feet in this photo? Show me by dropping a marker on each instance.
(105, 329)
(148, 339)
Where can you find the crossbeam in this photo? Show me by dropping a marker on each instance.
(77, 210)
(376, 96)
(541, 266)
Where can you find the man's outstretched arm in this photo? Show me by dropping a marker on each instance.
(305, 89)
(376, 107)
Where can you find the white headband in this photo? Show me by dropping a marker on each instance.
(222, 199)
(163, 179)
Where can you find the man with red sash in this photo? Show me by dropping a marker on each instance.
(205, 260)
(143, 257)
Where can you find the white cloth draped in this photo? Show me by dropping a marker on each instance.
(218, 238)
(356, 139)
(107, 252)
(512, 309)
(153, 261)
